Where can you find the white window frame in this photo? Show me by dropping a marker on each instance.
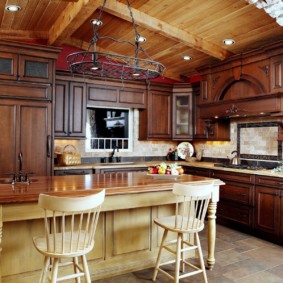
(130, 133)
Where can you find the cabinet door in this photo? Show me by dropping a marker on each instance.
(158, 116)
(276, 64)
(77, 114)
(8, 66)
(61, 112)
(26, 128)
(35, 137)
(35, 69)
(267, 210)
(7, 138)
(182, 116)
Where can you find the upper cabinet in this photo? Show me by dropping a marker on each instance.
(155, 122)
(182, 113)
(27, 71)
(116, 94)
(70, 110)
(249, 84)
(276, 64)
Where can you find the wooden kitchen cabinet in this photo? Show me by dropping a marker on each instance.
(211, 129)
(70, 110)
(128, 94)
(196, 171)
(155, 122)
(182, 115)
(25, 68)
(276, 66)
(269, 207)
(236, 202)
(25, 127)
(27, 62)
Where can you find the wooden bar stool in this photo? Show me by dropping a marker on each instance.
(191, 205)
(70, 224)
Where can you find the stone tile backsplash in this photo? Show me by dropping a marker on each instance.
(158, 148)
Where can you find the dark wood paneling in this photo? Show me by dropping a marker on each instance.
(61, 110)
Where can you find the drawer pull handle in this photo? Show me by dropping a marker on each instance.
(243, 195)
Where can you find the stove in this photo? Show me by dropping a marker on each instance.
(239, 166)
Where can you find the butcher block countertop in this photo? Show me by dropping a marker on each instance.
(115, 184)
(208, 165)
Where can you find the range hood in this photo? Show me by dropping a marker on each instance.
(261, 105)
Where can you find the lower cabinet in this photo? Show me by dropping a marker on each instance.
(269, 207)
(204, 172)
(236, 198)
(249, 202)
(73, 172)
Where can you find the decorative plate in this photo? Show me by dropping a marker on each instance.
(164, 176)
(185, 149)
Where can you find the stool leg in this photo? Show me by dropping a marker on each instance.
(75, 264)
(159, 254)
(44, 269)
(178, 257)
(54, 270)
(86, 270)
(182, 254)
(201, 259)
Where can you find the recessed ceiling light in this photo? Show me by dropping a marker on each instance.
(13, 8)
(187, 57)
(229, 41)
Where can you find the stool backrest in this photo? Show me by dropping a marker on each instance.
(70, 222)
(191, 204)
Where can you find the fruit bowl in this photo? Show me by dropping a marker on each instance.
(171, 170)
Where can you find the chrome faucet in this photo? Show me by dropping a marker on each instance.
(21, 177)
(20, 158)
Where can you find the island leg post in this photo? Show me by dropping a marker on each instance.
(211, 234)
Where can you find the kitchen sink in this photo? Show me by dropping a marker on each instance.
(117, 163)
(9, 181)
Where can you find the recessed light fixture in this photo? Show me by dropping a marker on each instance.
(187, 57)
(229, 41)
(13, 8)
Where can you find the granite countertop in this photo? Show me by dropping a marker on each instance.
(208, 165)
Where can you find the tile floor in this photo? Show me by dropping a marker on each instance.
(239, 257)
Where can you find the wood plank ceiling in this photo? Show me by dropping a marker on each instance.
(173, 28)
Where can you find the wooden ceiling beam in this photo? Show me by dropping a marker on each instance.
(121, 10)
(23, 34)
(71, 19)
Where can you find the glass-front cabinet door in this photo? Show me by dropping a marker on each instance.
(182, 114)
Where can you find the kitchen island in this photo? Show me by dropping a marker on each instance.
(126, 239)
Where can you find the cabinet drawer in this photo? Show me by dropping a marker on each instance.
(269, 181)
(233, 176)
(237, 192)
(25, 90)
(237, 213)
(73, 172)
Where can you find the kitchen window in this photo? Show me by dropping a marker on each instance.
(107, 128)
